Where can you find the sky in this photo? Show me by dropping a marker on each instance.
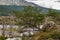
(54, 4)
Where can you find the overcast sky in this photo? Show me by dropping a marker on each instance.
(47, 3)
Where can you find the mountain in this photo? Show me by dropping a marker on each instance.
(15, 2)
(6, 6)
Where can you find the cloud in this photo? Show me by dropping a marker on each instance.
(54, 4)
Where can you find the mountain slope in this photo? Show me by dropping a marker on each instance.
(6, 9)
(15, 2)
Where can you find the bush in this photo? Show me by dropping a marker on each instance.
(55, 35)
(2, 38)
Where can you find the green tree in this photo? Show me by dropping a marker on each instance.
(30, 16)
(53, 13)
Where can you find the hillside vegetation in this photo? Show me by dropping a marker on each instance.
(30, 17)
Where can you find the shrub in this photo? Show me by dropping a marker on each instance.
(2, 38)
